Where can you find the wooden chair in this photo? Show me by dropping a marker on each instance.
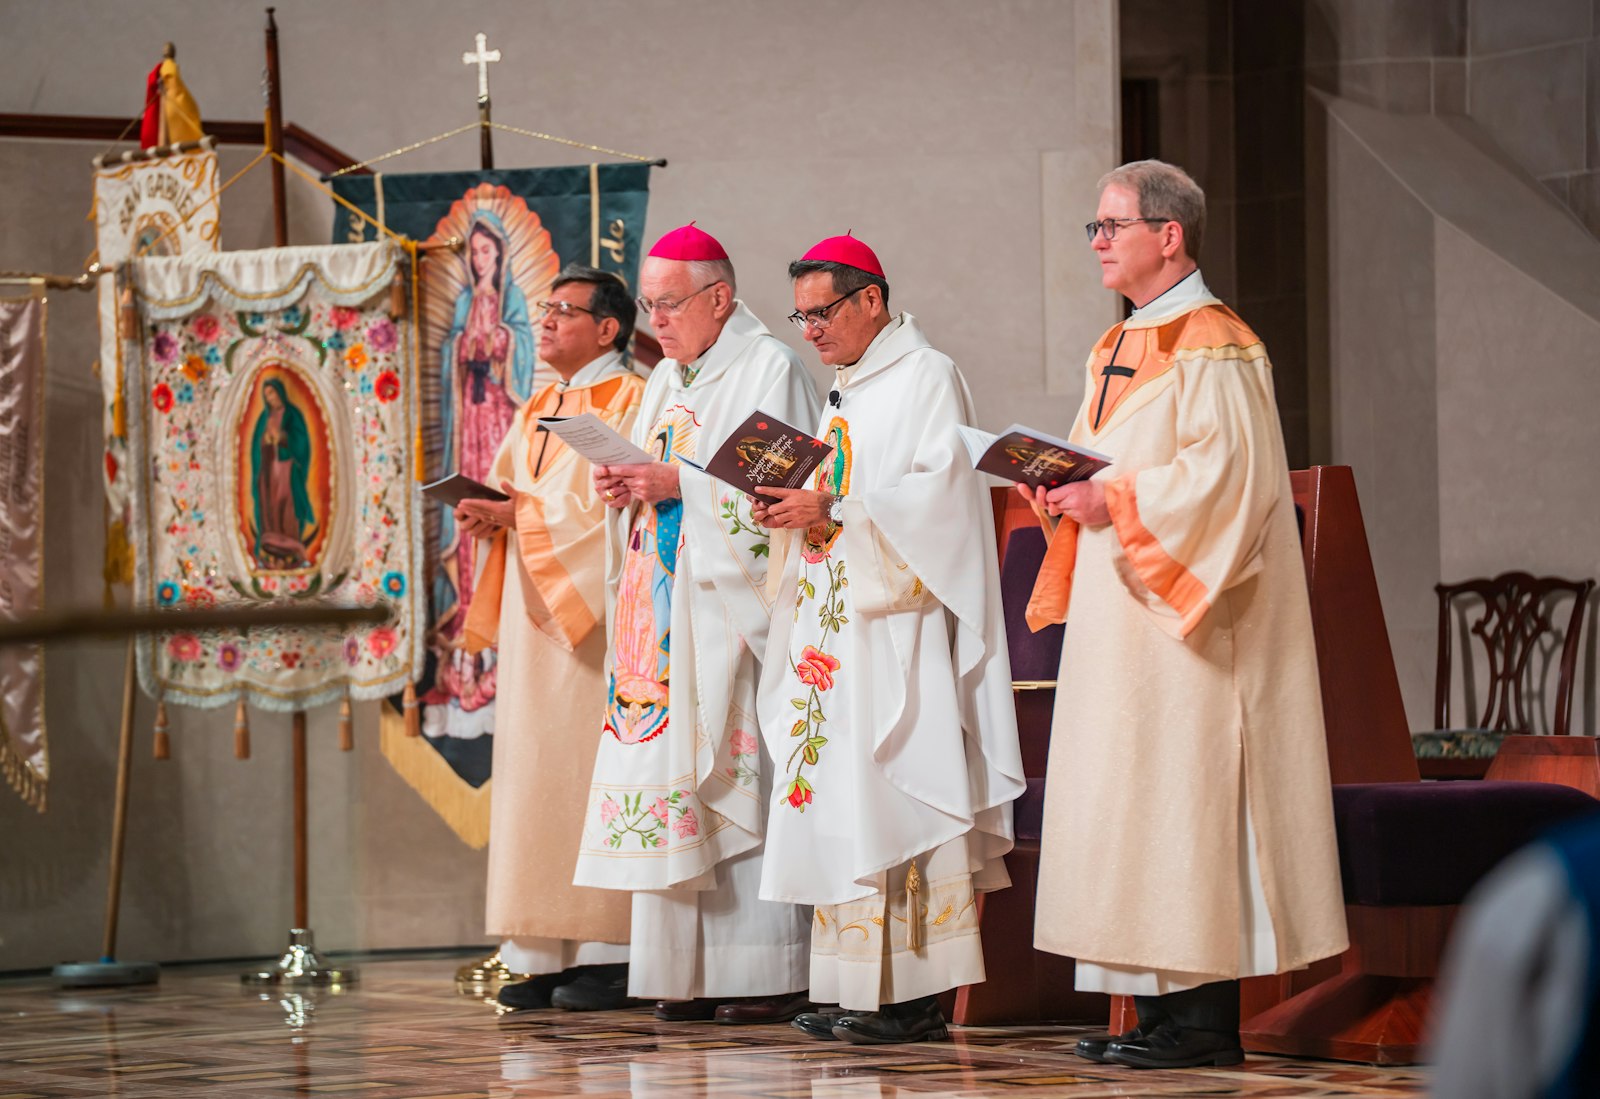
(1514, 620)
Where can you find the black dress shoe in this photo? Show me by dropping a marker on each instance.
(820, 1024)
(1092, 1047)
(913, 1021)
(765, 1009)
(685, 1011)
(600, 988)
(534, 993)
(1169, 1045)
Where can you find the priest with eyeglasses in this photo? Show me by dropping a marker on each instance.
(541, 598)
(1188, 818)
(886, 693)
(676, 811)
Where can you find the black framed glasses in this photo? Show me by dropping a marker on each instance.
(1107, 227)
(667, 306)
(818, 318)
(562, 309)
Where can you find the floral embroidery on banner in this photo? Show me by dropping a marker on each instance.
(631, 816)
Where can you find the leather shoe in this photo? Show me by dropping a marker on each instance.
(765, 1009)
(820, 1024)
(534, 993)
(1169, 1045)
(913, 1021)
(1092, 1047)
(685, 1011)
(601, 988)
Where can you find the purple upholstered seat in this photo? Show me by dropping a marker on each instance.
(1428, 843)
(1034, 656)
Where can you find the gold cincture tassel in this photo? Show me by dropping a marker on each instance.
(347, 738)
(913, 908)
(241, 732)
(163, 745)
(413, 713)
(397, 296)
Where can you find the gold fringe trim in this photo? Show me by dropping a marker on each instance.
(28, 783)
(463, 809)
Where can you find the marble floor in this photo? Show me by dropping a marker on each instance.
(404, 1031)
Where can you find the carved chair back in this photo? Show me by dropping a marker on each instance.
(1514, 616)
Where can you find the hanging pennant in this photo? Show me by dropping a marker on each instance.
(479, 362)
(24, 757)
(270, 416)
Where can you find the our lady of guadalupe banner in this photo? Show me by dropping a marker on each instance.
(23, 753)
(271, 419)
(154, 208)
(480, 362)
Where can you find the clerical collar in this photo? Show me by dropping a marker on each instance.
(1186, 294)
(843, 374)
(592, 372)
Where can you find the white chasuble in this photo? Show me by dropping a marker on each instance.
(547, 581)
(1188, 824)
(886, 697)
(679, 780)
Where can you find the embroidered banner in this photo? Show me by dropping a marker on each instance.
(24, 756)
(155, 208)
(271, 419)
(479, 362)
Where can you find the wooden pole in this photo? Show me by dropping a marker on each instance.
(280, 225)
(302, 891)
(119, 812)
(485, 134)
(280, 198)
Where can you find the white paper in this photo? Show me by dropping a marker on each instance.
(591, 437)
(977, 441)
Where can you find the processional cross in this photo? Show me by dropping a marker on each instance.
(482, 57)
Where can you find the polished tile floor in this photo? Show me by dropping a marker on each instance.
(403, 1031)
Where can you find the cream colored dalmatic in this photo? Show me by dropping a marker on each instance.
(1188, 822)
(676, 810)
(886, 695)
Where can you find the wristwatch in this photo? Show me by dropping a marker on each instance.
(836, 510)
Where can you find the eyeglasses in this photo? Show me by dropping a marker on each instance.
(1107, 227)
(818, 318)
(562, 309)
(670, 308)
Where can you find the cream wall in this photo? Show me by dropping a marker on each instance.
(962, 141)
(1464, 313)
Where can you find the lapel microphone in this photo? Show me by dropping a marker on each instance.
(833, 397)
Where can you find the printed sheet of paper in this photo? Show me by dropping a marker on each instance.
(592, 438)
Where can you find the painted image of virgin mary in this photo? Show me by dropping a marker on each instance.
(280, 448)
(488, 363)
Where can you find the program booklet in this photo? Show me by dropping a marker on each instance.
(595, 439)
(1031, 457)
(451, 490)
(765, 452)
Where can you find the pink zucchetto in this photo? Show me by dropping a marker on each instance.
(848, 251)
(688, 243)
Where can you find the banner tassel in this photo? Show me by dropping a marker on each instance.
(347, 739)
(397, 295)
(241, 732)
(163, 746)
(413, 711)
(913, 908)
(127, 315)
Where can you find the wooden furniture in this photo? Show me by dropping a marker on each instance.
(1408, 851)
(1024, 985)
(1514, 618)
